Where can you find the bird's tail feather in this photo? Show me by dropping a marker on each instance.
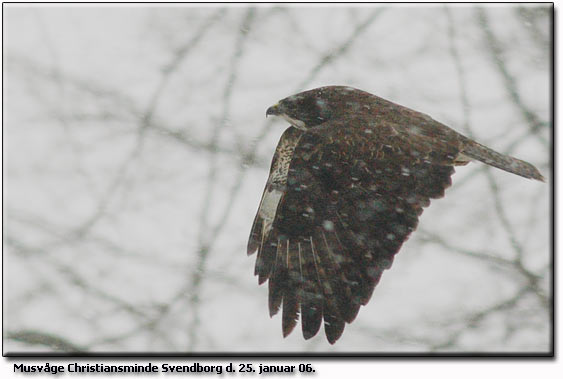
(504, 162)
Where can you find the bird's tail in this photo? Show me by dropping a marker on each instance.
(504, 162)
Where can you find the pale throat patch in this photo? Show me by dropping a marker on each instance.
(297, 123)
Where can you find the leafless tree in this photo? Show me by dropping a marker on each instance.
(136, 150)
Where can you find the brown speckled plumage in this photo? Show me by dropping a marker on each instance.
(347, 184)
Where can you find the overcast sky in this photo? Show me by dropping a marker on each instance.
(136, 150)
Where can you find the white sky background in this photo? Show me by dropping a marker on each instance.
(136, 151)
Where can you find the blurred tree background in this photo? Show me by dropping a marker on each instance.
(136, 150)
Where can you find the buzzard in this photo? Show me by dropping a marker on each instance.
(348, 182)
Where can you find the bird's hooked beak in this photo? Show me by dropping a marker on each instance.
(273, 110)
(278, 110)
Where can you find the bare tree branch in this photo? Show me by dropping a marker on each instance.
(54, 342)
(536, 125)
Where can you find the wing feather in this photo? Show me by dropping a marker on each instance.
(256, 235)
(349, 200)
(276, 288)
(311, 297)
(291, 298)
(332, 292)
(262, 239)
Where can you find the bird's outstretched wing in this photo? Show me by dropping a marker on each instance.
(351, 195)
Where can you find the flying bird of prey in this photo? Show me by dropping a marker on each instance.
(348, 181)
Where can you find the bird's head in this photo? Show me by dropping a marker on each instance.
(310, 108)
